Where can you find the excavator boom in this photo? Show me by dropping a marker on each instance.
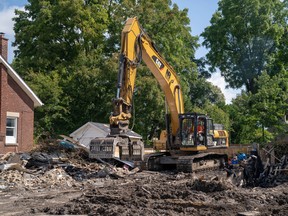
(137, 46)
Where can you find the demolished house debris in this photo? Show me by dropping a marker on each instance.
(72, 165)
(267, 175)
(58, 167)
(252, 172)
(66, 181)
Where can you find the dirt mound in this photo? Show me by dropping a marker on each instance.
(209, 186)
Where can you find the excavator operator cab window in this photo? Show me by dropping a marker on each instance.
(201, 131)
(195, 130)
(200, 126)
(210, 126)
(210, 132)
(188, 128)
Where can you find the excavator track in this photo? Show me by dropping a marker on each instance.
(187, 164)
(201, 162)
(152, 162)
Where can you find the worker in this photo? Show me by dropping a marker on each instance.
(200, 127)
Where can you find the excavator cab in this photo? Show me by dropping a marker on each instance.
(196, 129)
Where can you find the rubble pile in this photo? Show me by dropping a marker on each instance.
(280, 147)
(274, 174)
(54, 168)
(64, 181)
(56, 177)
(256, 173)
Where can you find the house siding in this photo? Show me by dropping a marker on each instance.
(14, 99)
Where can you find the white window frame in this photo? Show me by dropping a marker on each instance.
(12, 139)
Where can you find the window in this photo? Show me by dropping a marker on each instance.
(11, 130)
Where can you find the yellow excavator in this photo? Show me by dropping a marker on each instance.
(188, 137)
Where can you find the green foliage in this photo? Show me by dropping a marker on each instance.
(240, 123)
(168, 27)
(51, 34)
(67, 52)
(272, 99)
(48, 88)
(260, 116)
(243, 39)
(91, 91)
(149, 107)
(202, 92)
(248, 43)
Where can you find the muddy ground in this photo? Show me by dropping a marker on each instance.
(60, 191)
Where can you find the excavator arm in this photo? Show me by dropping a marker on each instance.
(137, 46)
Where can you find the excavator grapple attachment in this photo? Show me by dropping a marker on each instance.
(116, 146)
(104, 148)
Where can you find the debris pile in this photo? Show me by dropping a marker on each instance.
(274, 174)
(210, 185)
(256, 174)
(54, 167)
(61, 180)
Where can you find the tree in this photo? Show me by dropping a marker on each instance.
(259, 117)
(73, 47)
(56, 109)
(52, 34)
(270, 103)
(91, 90)
(243, 38)
(243, 125)
(202, 92)
(149, 107)
(172, 38)
(280, 62)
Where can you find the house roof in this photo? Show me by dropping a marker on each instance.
(105, 128)
(21, 83)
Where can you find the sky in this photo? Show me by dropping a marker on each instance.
(199, 12)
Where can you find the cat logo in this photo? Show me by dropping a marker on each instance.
(159, 64)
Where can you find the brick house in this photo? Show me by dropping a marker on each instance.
(17, 103)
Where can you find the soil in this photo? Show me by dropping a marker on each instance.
(59, 192)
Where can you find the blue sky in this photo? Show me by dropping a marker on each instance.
(199, 12)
